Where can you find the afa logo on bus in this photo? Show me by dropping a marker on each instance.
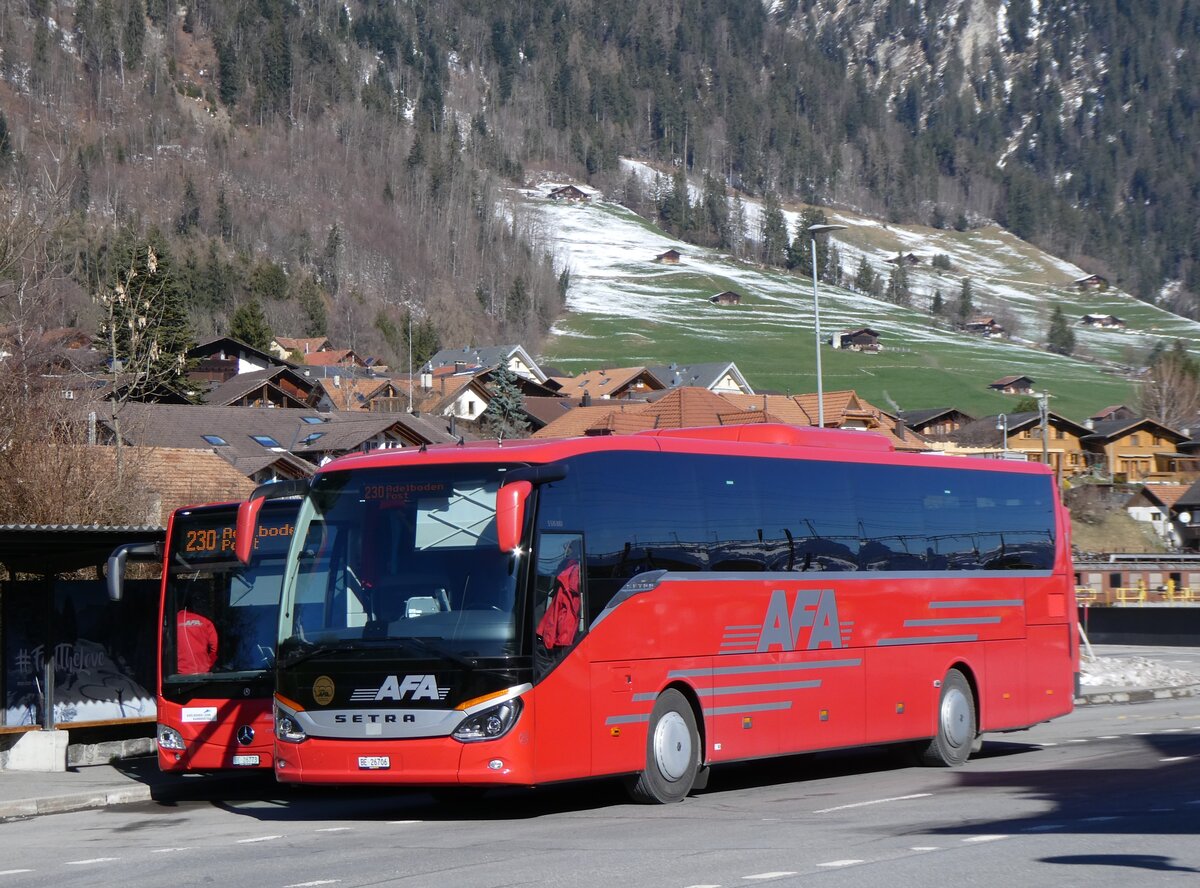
(813, 612)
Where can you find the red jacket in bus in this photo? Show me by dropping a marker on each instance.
(197, 641)
(557, 628)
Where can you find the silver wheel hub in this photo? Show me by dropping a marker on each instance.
(957, 725)
(672, 746)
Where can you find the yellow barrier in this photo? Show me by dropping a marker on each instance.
(1131, 594)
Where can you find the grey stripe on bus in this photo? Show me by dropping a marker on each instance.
(999, 602)
(929, 639)
(764, 667)
(740, 689)
(952, 621)
(752, 707)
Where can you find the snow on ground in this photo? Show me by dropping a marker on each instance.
(1133, 672)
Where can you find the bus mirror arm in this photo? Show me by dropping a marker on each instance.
(510, 513)
(247, 515)
(116, 564)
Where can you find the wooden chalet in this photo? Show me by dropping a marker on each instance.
(670, 257)
(569, 192)
(727, 298)
(1013, 385)
(615, 384)
(936, 422)
(984, 326)
(1111, 322)
(1139, 449)
(1092, 282)
(908, 259)
(864, 339)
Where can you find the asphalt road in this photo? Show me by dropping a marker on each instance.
(1109, 796)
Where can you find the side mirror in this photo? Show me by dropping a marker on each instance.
(246, 528)
(510, 513)
(116, 565)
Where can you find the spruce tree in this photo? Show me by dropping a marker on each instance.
(966, 301)
(773, 250)
(937, 307)
(1060, 338)
(249, 325)
(864, 278)
(505, 414)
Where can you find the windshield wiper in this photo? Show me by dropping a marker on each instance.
(425, 646)
(313, 650)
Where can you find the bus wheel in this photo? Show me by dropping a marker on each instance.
(955, 736)
(672, 752)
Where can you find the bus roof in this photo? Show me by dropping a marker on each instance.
(771, 440)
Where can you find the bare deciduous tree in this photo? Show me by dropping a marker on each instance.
(1171, 395)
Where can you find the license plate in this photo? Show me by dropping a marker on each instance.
(245, 761)
(374, 762)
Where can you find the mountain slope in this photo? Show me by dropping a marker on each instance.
(624, 309)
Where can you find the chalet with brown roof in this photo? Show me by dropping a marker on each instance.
(984, 326)
(1115, 411)
(1013, 385)
(361, 394)
(617, 383)
(1108, 322)
(1140, 449)
(905, 259)
(726, 298)
(670, 257)
(864, 339)
(1092, 282)
(935, 422)
(220, 359)
(1005, 435)
(569, 192)
(273, 387)
(444, 393)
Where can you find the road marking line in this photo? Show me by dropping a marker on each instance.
(835, 863)
(168, 850)
(925, 848)
(761, 876)
(258, 839)
(1173, 731)
(919, 795)
(984, 838)
(335, 829)
(91, 860)
(313, 884)
(403, 822)
(14, 872)
(1046, 745)
(1176, 758)
(1109, 737)
(1077, 741)
(703, 886)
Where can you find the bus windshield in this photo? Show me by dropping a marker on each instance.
(220, 617)
(403, 558)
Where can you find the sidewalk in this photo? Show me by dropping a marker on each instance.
(1126, 675)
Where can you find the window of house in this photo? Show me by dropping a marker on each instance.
(215, 440)
(470, 408)
(1060, 434)
(266, 440)
(313, 420)
(1135, 440)
(314, 436)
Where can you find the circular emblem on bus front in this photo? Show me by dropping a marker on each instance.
(323, 690)
(245, 735)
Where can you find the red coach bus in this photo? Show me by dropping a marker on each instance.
(653, 604)
(218, 621)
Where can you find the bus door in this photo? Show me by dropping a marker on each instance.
(563, 679)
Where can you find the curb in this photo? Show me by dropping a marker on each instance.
(1141, 695)
(80, 801)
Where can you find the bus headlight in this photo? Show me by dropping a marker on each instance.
(287, 728)
(496, 721)
(169, 738)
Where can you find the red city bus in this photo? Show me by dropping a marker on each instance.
(218, 621)
(653, 604)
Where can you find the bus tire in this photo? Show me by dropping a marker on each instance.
(672, 752)
(956, 733)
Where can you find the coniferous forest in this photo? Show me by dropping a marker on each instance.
(338, 168)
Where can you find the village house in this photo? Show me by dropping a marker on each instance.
(1155, 505)
(1138, 449)
(864, 339)
(569, 192)
(670, 257)
(935, 422)
(1115, 411)
(1092, 282)
(726, 298)
(1013, 385)
(984, 326)
(1110, 322)
(220, 359)
(1009, 435)
(480, 359)
(622, 382)
(722, 378)
(842, 410)
(293, 349)
(273, 387)
(908, 259)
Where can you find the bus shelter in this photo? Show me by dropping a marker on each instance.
(70, 657)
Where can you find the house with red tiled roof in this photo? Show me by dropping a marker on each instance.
(1155, 505)
(686, 407)
(334, 357)
(843, 410)
(620, 382)
(293, 348)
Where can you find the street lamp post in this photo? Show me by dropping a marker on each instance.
(1044, 414)
(1002, 424)
(813, 231)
